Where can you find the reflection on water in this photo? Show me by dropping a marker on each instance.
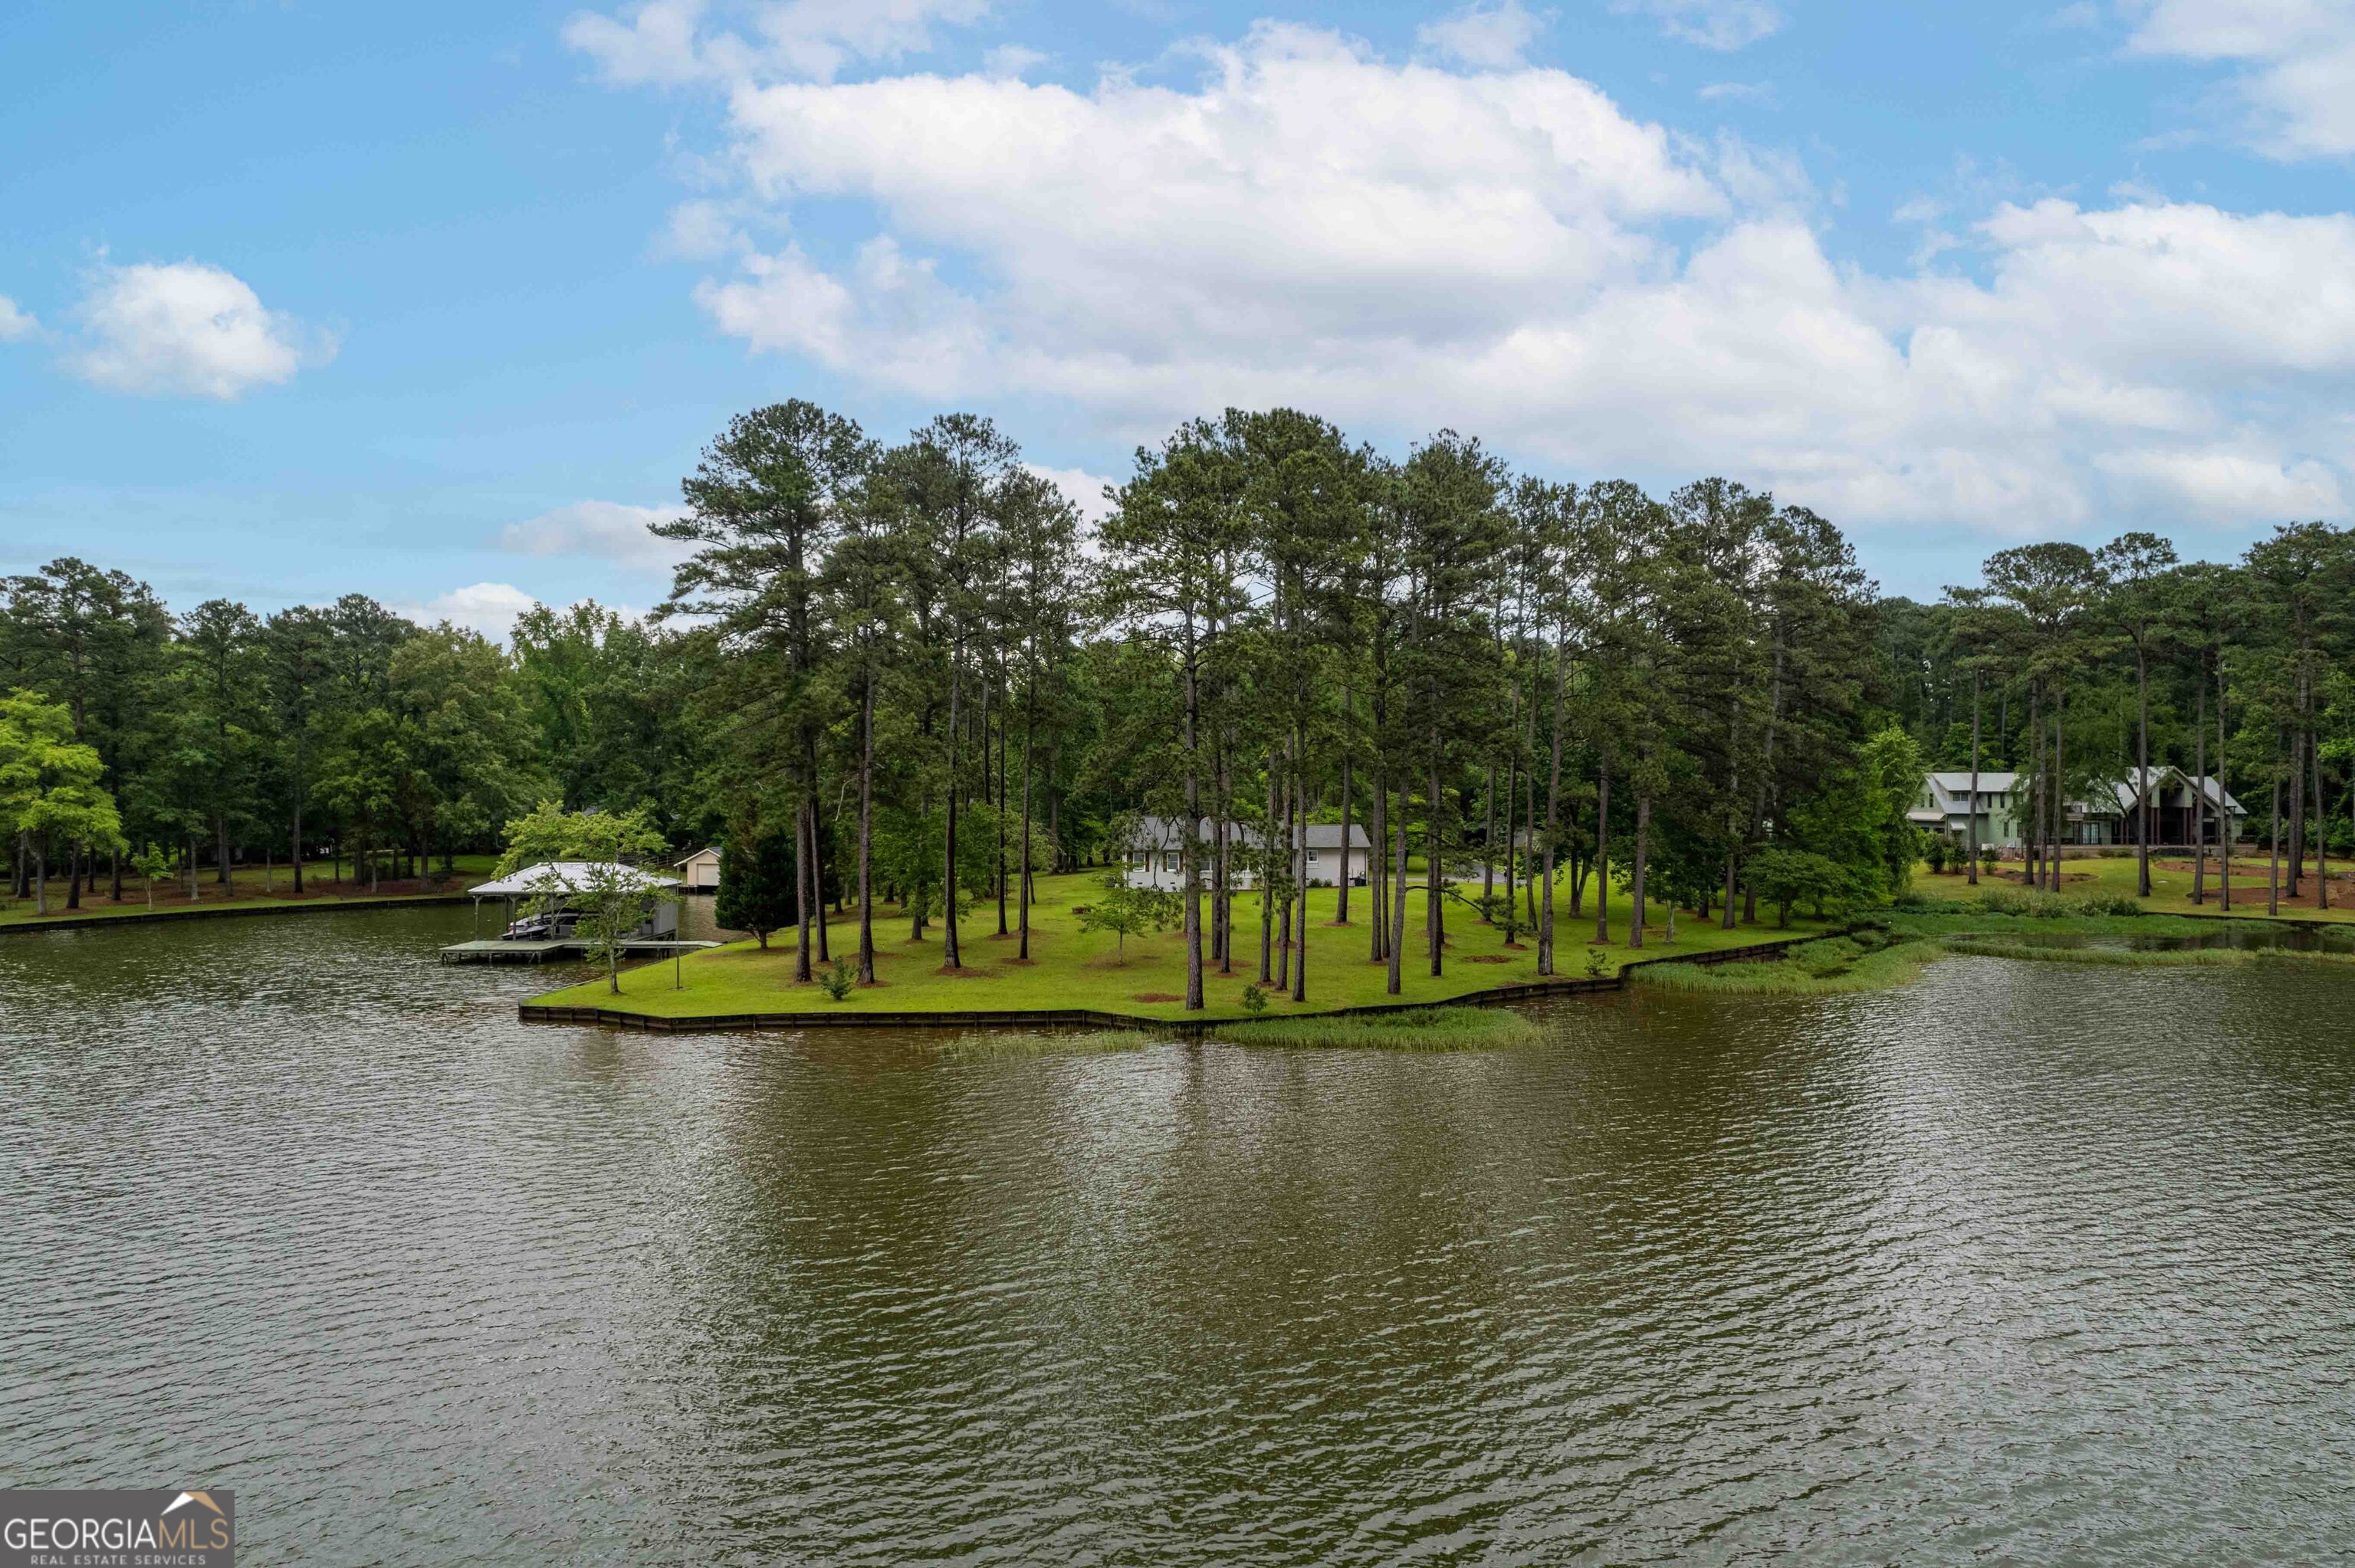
(2027, 1262)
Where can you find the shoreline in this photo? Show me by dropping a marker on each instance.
(1081, 1017)
(257, 906)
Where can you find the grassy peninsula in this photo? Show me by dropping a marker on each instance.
(1070, 968)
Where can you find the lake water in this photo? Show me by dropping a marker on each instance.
(2027, 1263)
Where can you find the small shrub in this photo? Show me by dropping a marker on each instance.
(838, 978)
(2108, 904)
(1597, 963)
(2022, 903)
(1254, 1000)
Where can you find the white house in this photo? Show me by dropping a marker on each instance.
(1154, 860)
(699, 873)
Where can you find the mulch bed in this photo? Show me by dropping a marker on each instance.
(1485, 958)
(1156, 996)
(958, 971)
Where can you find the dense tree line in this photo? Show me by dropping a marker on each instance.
(909, 677)
(223, 737)
(2081, 669)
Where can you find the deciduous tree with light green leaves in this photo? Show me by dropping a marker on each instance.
(602, 885)
(49, 790)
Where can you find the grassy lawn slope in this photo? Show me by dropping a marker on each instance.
(2171, 886)
(1075, 969)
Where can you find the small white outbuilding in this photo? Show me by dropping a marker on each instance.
(699, 873)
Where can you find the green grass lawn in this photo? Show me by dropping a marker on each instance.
(1075, 969)
(2170, 885)
(250, 888)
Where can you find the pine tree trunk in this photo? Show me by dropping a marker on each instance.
(1377, 869)
(1001, 820)
(1300, 961)
(1635, 884)
(1222, 909)
(2226, 830)
(1284, 915)
(1552, 818)
(2032, 840)
(1191, 857)
(1341, 883)
(950, 955)
(2199, 795)
(817, 862)
(1488, 845)
(2296, 814)
(1971, 807)
(2142, 775)
(866, 830)
(805, 890)
(1398, 895)
(1435, 854)
(2060, 780)
(1266, 906)
(2273, 867)
(2321, 832)
(1603, 857)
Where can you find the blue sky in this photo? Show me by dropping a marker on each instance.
(302, 299)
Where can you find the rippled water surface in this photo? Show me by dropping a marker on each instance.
(2027, 1263)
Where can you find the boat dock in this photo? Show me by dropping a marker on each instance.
(501, 951)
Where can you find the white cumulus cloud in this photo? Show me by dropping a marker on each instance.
(16, 322)
(1084, 490)
(676, 41)
(1711, 24)
(2296, 79)
(490, 608)
(1487, 36)
(607, 530)
(2225, 486)
(1407, 245)
(186, 328)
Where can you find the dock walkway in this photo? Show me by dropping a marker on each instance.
(501, 951)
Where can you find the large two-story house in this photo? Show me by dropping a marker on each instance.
(1945, 806)
(1156, 860)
